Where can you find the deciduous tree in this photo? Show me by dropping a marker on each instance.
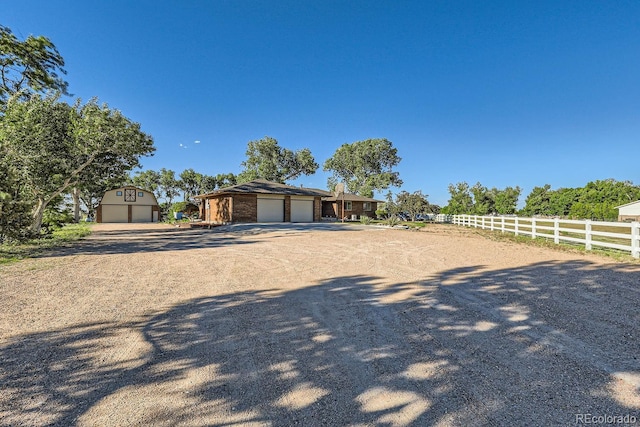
(460, 201)
(413, 204)
(365, 166)
(30, 66)
(52, 144)
(267, 160)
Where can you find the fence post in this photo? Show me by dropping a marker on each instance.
(491, 223)
(533, 228)
(515, 226)
(482, 222)
(556, 231)
(502, 223)
(635, 239)
(587, 234)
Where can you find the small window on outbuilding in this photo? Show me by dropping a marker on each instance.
(118, 193)
(140, 194)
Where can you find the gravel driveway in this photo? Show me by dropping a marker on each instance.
(327, 325)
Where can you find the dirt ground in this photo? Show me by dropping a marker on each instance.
(293, 325)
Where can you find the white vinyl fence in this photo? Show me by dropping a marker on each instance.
(624, 236)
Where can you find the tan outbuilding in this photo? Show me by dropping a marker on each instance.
(128, 204)
(629, 212)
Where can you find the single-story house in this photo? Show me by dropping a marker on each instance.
(128, 204)
(354, 206)
(629, 212)
(261, 201)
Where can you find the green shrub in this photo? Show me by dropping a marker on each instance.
(392, 221)
(365, 220)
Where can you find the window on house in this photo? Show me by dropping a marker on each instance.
(140, 194)
(118, 193)
(348, 206)
(366, 206)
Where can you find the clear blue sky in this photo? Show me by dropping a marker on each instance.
(502, 92)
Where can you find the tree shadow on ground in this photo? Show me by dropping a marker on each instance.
(534, 345)
(131, 240)
(138, 241)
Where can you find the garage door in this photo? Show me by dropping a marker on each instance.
(301, 210)
(115, 213)
(140, 213)
(270, 210)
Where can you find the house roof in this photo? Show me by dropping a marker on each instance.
(627, 204)
(348, 197)
(261, 186)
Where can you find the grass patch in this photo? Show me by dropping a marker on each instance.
(618, 255)
(14, 252)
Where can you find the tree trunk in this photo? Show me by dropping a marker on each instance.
(38, 213)
(75, 194)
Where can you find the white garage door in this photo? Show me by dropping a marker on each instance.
(301, 210)
(140, 213)
(115, 213)
(270, 210)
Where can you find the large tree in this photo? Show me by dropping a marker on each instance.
(460, 200)
(169, 185)
(267, 160)
(52, 144)
(30, 66)
(190, 183)
(148, 180)
(506, 201)
(413, 204)
(14, 209)
(365, 166)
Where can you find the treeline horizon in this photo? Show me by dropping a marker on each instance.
(597, 200)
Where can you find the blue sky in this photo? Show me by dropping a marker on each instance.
(502, 92)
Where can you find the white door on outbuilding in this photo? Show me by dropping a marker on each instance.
(270, 210)
(141, 213)
(301, 210)
(115, 213)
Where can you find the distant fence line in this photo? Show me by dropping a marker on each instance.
(624, 236)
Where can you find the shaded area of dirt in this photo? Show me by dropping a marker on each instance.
(291, 327)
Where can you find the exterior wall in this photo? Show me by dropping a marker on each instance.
(244, 208)
(219, 210)
(317, 209)
(630, 210)
(147, 198)
(287, 208)
(329, 210)
(334, 209)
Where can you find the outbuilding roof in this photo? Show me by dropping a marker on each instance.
(627, 204)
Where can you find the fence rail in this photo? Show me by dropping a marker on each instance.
(624, 236)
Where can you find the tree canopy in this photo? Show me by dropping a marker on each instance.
(365, 166)
(33, 65)
(413, 204)
(596, 200)
(480, 200)
(51, 146)
(267, 160)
